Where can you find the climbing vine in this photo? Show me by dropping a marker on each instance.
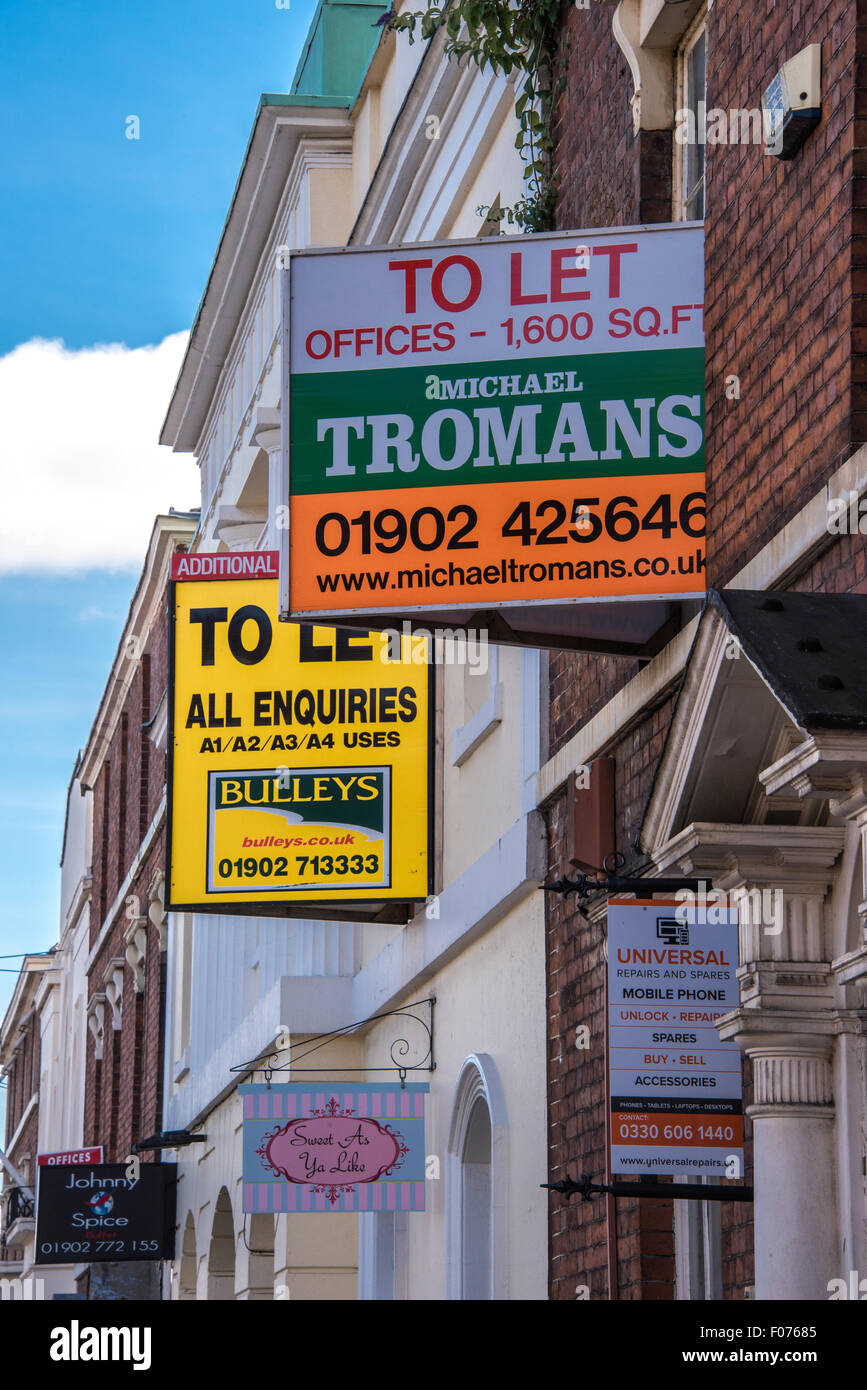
(507, 37)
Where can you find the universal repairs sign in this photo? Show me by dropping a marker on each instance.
(674, 1086)
(508, 420)
(299, 754)
(104, 1212)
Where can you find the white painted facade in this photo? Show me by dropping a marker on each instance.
(62, 1002)
(63, 993)
(369, 172)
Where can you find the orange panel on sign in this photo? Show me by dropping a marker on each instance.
(699, 1129)
(580, 539)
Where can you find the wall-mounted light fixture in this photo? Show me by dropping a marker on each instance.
(792, 103)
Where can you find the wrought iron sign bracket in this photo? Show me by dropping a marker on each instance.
(584, 886)
(649, 1187)
(168, 1139)
(398, 1048)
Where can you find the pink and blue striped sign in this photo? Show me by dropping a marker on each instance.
(333, 1147)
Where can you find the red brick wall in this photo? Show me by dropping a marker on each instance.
(23, 1156)
(608, 177)
(123, 1096)
(841, 569)
(159, 679)
(578, 1231)
(786, 275)
(22, 1082)
(123, 1092)
(786, 298)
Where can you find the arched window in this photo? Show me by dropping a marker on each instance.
(476, 1186)
(189, 1271)
(221, 1253)
(476, 1204)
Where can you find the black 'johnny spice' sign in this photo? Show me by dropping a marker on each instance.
(98, 1212)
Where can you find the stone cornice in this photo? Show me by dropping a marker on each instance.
(850, 972)
(792, 1030)
(827, 765)
(793, 856)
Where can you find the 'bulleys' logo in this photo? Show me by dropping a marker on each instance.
(297, 789)
(317, 826)
(352, 798)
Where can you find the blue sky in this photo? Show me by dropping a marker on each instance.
(110, 239)
(62, 636)
(103, 240)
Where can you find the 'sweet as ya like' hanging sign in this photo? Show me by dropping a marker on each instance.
(333, 1147)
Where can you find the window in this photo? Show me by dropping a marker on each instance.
(692, 98)
(476, 1185)
(697, 1248)
(476, 1204)
(383, 1255)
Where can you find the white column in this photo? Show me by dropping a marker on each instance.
(796, 1240)
(788, 1024)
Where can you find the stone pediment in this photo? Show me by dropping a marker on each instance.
(733, 719)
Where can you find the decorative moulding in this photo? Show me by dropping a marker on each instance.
(136, 939)
(113, 982)
(96, 1022)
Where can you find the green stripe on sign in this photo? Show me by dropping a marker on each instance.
(625, 413)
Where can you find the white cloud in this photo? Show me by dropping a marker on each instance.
(81, 474)
(94, 614)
